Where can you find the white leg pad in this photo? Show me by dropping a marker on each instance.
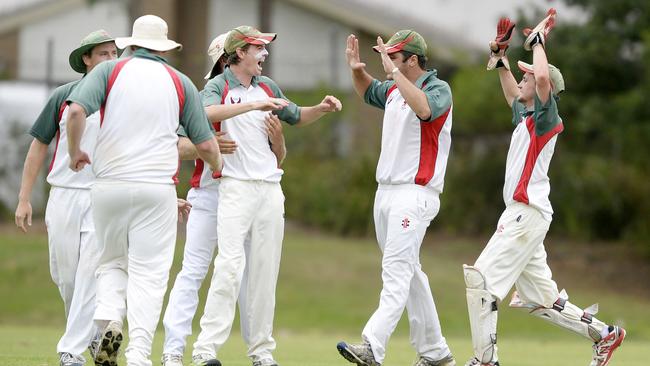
(482, 309)
(566, 315)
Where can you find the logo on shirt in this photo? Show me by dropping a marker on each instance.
(405, 223)
(500, 229)
(232, 101)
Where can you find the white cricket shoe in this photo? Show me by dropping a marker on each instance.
(265, 362)
(604, 348)
(68, 359)
(172, 359)
(426, 361)
(205, 359)
(361, 354)
(475, 362)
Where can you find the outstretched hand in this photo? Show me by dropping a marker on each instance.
(500, 44)
(386, 62)
(271, 104)
(352, 53)
(330, 104)
(541, 31)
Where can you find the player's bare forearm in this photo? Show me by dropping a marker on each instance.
(33, 163)
(222, 112)
(208, 151)
(186, 149)
(361, 81)
(308, 115)
(280, 151)
(508, 85)
(414, 96)
(542, 77)
(76, 124)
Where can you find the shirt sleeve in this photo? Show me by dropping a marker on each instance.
(546, 115)
(439, 98)
(90, 93)
(290, 113)
(518, 111)
(47, 124)
(377, 93)
(193, 120)
(212, 92)
(181, 131)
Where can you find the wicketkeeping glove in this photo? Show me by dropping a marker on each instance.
(540, 32)
(499, 46)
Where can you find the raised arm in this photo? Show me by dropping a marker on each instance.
(33, 163)
(360, 78)
(499, 60)
(414, 96)
(535, 41)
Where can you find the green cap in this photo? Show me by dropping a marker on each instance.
(557, 80)
(243, 35)
(93, 39)
(406, 40)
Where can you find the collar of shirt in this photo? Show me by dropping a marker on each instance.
(233, 81)
(424, 78)
(145, 53)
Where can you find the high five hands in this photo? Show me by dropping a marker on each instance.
(386, 62)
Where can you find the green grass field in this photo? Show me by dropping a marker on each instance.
(328, 288)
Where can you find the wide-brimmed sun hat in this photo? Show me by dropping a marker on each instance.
(91, 40)
(149, 31)
(215, 51)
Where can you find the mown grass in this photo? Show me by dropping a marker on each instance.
(328, 288)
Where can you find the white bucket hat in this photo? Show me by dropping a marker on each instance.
(149, 31)
(215, 51)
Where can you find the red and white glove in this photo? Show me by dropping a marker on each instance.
(499, 46)
(540, 32)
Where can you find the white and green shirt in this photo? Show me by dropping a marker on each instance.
(413, 151)
(51, 123)
(141, 101)
(529, 157)
(253, 159)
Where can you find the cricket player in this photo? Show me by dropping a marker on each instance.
(71, 234)
(416, 137)
(142, 101)
(251, 201)
(201, 238)
(515, 255)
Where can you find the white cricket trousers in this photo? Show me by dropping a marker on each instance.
(200, 243)
(74, 254)
(515, 255)
(254, 208)
(136, 229)
(402, 214)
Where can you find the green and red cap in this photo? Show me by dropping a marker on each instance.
(405, 40)
(243, 35)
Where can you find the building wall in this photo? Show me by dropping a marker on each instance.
(309, 50)
(9, 55)
(66, 31)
